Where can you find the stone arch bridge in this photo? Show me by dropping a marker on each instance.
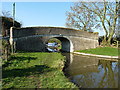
(35, 38)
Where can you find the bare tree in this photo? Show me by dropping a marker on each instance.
(103, 15)
(6, 14)
(80, 17)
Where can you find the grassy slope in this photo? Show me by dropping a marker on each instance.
(102, 51)
(35, 70)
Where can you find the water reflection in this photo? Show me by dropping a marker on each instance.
(91, 72)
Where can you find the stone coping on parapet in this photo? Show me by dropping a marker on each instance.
(56, 27)
(102, 56)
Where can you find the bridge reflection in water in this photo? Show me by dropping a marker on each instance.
(91, 72)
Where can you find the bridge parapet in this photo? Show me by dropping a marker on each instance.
(29, 31)
(35, 38)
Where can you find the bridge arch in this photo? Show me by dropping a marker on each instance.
(66, 43)
(34, 38)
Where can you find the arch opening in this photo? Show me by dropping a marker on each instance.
(59, 44)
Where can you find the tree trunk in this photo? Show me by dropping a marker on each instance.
(104, 41)
(109, 39)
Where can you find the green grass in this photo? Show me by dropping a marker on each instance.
(35, 70)
(102, 51)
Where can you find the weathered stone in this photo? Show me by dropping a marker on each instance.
(35, 38)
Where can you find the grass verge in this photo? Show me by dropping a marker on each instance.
(35, 70)
(102, 51)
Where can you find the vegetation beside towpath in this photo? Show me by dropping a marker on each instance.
(110, 51)
(35, 70)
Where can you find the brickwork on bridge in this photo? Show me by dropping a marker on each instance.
(35, 38)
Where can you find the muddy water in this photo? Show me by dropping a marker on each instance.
(91, 72)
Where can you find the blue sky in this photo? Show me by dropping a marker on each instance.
(40, 13)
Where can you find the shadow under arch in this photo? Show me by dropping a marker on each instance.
(66, 44)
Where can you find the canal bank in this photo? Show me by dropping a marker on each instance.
(108, 53)
(35, 70)
(44, 70)
(114, 58)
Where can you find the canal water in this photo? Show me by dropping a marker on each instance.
(91, 72)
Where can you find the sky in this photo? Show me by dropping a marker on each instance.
(39, 13)
(32, 14)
